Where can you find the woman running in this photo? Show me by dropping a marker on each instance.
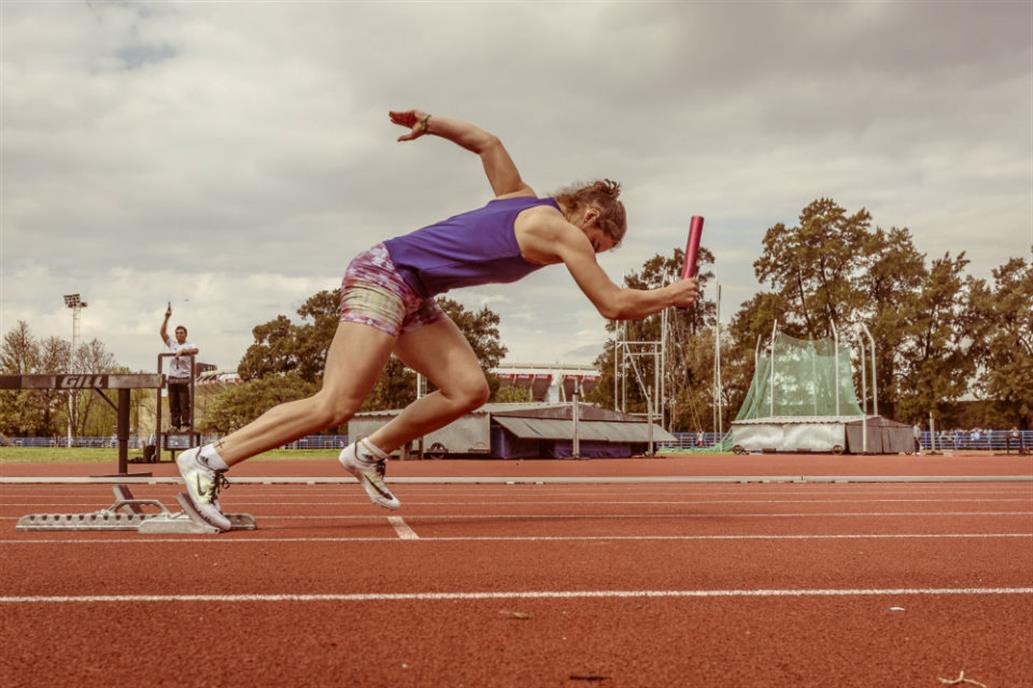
(387, 306)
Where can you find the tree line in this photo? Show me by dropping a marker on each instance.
(941, 336)
(45, 412)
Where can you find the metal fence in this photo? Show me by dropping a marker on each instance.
(693, 440)
(988, 440)
(138, 442)
(982, 439)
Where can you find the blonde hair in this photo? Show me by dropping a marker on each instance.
(601, 195)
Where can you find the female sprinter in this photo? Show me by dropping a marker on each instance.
(387, 306)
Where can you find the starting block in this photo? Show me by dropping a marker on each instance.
(129, 513)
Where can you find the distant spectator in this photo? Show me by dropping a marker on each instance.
(180, 372)
(700, 439)
(917, 430)
(1015, 437)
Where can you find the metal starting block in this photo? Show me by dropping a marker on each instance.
(129, 513)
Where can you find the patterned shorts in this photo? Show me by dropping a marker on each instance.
(374, 294)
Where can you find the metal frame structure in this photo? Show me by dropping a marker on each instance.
(178, 441)
(866, 344)
(129, 513)
(718, 384)
(862, 332)
(626, 354)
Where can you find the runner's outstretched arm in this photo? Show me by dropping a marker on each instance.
(498, 166)
(573, 247)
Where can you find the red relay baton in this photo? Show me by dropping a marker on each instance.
(692, 248)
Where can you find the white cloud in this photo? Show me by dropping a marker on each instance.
(240, 154)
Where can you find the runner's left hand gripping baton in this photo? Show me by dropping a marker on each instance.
(692, 248)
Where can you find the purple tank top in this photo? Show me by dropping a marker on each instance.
(478, 247)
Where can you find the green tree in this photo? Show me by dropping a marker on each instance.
(890, 285)
(812, 265)
(21, 410)
(832, 267)
(43, 412)
(936, 362)
(512, 393)
(274, 351)
(1002, 334)
(239, 404)
(282, 346)
(93, 357)
(481, 329)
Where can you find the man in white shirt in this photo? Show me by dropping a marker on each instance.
(179, 372)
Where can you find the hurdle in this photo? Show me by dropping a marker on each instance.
(122, 383)
(129, 513)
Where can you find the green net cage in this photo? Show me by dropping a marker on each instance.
(801, 378)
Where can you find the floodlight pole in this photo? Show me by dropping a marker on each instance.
(75, 302)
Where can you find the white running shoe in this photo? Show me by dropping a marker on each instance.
(369, 471)
(203, 485)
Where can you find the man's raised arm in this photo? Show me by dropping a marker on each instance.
(165, 325)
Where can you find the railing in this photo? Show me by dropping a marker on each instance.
(692, 440)
(138, 442)
(985, 439)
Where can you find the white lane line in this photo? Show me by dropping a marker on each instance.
(714, 515)
(539, 502)
(493, 490)
(404, 531)
(540, 480)
(523, 538)
(584, 517)
(513, 595)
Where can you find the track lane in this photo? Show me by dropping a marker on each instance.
(638, 642)
(748, 643)
(449, 566)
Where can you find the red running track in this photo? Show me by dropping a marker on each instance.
(972, 464)
(533, 585)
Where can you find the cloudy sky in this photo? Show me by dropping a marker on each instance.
(232, 157)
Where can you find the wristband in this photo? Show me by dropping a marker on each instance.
(423, 121)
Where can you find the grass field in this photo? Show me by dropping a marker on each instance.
(91, 455)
